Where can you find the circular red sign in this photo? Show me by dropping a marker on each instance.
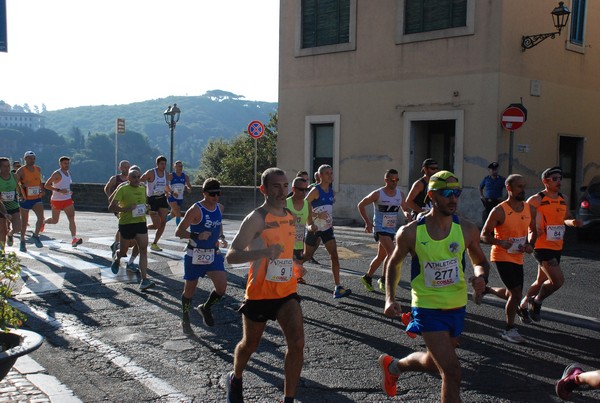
(256, 129)
(512, 118)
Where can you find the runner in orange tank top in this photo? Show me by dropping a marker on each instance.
(506, 229)
(552, 216)
(266, 240)
(31, 188)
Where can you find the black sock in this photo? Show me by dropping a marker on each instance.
(213, 298)
(186, 304)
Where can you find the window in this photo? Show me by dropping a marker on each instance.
(577, 22)
(322, 143)
(325, 26)
(423, 20)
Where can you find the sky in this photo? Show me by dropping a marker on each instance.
(68, 53)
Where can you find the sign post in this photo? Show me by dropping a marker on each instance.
(513, 118)
(119, 129)
(256, 129)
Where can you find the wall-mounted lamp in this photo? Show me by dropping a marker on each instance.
(560, 17)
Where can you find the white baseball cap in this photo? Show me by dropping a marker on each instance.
(29, 154)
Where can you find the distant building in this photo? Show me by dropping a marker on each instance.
(14, 119)
(370, 85)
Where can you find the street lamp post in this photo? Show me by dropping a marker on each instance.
(171, 115)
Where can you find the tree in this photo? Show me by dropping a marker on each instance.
(76, 138)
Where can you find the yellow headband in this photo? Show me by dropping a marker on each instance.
(440, 181)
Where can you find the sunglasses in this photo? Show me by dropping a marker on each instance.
(214, 193)
(555, 178)
(301, 189)
(392, 180)
(450, 192)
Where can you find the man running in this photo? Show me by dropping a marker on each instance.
(437, 243)
(179, 181)
(506, 229)
(388, 201)
(129, 200)
(266, 240)
(31, 189)
(416, 199)
(552, 216)
(321, 198)
(9, 208)
(298, 205)
(16, 165)
(203, 256)
(156, 187)
(490, 190)
(60, 185)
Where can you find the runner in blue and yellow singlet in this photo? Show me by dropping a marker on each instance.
(437, 243)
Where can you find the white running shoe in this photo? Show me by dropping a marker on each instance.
(513, 336)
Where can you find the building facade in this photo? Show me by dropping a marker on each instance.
(370, 85)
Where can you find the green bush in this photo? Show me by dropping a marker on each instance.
(10, 271)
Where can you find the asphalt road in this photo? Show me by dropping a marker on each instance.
(107, 341)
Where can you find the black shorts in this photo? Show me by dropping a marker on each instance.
(380, 234)
(545, 255)
(262, 310)
(129, 231)
(10, 212)
(326, 236)
(511, 274)
(158, 202)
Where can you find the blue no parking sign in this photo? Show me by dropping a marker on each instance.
(256, 129)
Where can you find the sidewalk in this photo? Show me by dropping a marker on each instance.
(27, 381)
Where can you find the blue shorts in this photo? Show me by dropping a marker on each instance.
(28, 204)
(178, 201)
(437, 320)
(195, 271)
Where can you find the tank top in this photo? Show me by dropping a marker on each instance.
(301, 219)
(8, 192)
(323, 206)
(64, 183)
(207, 251)
(437, 269)
(550, 222)
(515, 227)
(177, 185)
(157, 187)
(386, 211)
(420, 200)
(31, 183)
(273, 279)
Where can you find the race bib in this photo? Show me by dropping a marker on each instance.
(158, 192)
(442, 273)
(139, 210)
(299, 232)
(517, 242)
(203, 256)
(555, 232)
(33, 191)
(279, 270)
(178, 188)
(8, 196)
(389, 220)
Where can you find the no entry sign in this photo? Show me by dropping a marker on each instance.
(513, 118)
(256, 129)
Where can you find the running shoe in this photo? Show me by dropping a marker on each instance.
(145, 284)
(206, 315)
(567, 383)
(132, 268)
(534, 310)
(23, 248)
(381, 284)
(76, 241)
(234, 389)
(37, 242)
(186, 327)
(9, 240)
(155, 247)
(523, 315)
(114, 267)
(368, 282)
(341, 292)
(115, 247)
(388, 381)
(513, 336)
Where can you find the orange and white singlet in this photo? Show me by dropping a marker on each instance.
(550, 222)
(32, 183)
(515, 227)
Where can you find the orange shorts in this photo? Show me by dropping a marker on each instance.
(61, 204)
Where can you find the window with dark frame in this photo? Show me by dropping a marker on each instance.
(433, 15)
(325, 22)
(577, 22)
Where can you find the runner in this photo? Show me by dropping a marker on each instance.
(437, 244)
(60, 185)
(321, 198)
(416, 199)
(266, 240)
(9, 208)
(156, 187)
(178, 182)
(16, 165)
(298, 205)
(203, 256)
(388, 201)
(31, 190)
(129, 200)
(552, 216)
(574, 377)
(506, 230)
